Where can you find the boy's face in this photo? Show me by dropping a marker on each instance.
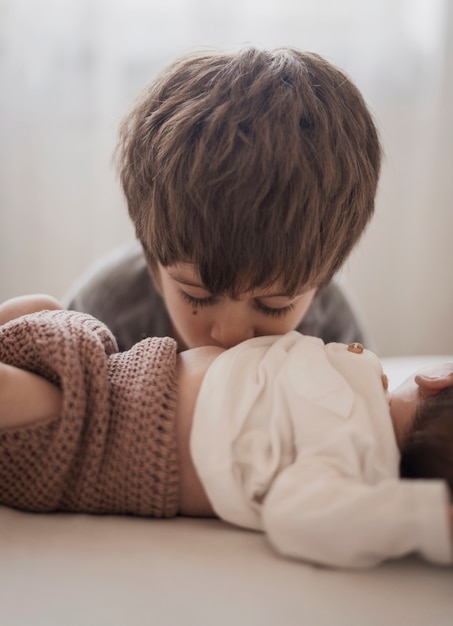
(200, 318)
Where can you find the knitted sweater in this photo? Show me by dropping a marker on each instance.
(113, 448)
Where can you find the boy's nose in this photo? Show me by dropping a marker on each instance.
(231, 329)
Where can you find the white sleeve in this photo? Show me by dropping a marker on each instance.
(313, 513)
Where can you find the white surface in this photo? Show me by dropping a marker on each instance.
(74, 570)
(68, 570)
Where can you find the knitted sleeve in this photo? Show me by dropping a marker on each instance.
(113, 448)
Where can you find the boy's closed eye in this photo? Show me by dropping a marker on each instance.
(258, 304)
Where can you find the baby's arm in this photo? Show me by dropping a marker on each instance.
(316, 513)
(22, 305)
(192, 366)
(26, 398)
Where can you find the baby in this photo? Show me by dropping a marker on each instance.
(284, 434)
(302, 440)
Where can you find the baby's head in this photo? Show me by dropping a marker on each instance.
(422, 415)
(427, 451)
(258, 167)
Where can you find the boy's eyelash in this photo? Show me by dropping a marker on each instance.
(197, 302)
(266, 310)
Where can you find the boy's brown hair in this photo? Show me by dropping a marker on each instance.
(256, 166)
(427, 451)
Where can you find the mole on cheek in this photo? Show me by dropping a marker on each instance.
(194, 311)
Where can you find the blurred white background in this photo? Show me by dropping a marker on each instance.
(69, 69)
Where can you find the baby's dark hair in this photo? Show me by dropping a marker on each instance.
(427, 451)
(257, 166)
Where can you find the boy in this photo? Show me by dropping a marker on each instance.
(249, 177)
(281, 434)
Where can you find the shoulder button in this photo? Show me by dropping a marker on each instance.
(355, 347)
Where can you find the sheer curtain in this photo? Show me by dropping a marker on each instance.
(70, 68)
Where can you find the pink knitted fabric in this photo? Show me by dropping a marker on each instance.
(113, 448)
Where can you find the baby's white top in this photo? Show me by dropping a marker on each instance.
(294, 438)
